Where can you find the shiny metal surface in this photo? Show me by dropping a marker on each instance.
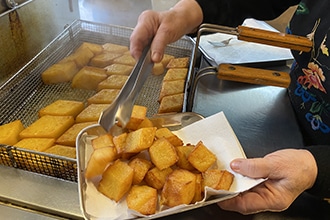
(261, 117)
(28, 28)
(120, 110)
(41, 193)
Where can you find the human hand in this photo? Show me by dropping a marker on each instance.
(289, 172)
(164, 28)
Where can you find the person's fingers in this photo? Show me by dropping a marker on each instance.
(143, 32)
(240, 204)
(256, 200)
(254, 168)
(158, 45)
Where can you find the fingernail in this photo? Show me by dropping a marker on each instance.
(156, 57)
(235, 165)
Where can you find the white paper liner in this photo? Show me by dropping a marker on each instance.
(243, 52)
(216, 134)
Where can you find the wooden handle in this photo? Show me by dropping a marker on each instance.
(253, 75)
(274, 38)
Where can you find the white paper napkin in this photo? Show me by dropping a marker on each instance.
(241, 52)
(216, 134)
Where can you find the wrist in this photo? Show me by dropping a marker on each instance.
(312, 168)
(191, 13)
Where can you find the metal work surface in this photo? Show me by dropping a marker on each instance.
(261, 117)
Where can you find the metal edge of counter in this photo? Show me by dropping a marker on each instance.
(39, 193)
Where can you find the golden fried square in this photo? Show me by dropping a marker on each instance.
(113, 82)
(91, 113)
(104, 96)
(201, 157)
(163, 154)
(171, 103)
(181, 62)
(62, 108)
(116, 180)
(48, 126)
(88, 78)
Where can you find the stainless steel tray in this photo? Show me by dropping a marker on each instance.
(24, 93)
(173, 121)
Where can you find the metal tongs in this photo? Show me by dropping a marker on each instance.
(120, 110)
(240, 73)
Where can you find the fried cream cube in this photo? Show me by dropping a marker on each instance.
(183, 153)
(125, 59)
(169, 135)
(211, 178)
(68, 138)
(166, 59)
(62, 150)
(181, 62)
(9, 133)
(104, 96)
(115, 48)
(103, 59)
(62, 108)
(217, 179)
(176, 74)
(48, 126)
(171, 103)
(171, 88)
(99, 160)
(139, 113)
(112, 82)
(142, 199)
(88, 78)
(201, 157)
(118, 69)
(179, 188)
(156, 178)
(163, 154)
(105, 140)
(139, 140)
(146, 123)
(158, 69)
(119, 142)
(36, 144)
(91, 113)
(226, 180)
(80, 56)
(116, 180)
(140, 167)
(199, 189)
(59, 73)
(95, 48)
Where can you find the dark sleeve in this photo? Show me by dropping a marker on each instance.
(234, 12)
(321, 186)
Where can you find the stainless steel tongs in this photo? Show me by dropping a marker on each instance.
(120, 110)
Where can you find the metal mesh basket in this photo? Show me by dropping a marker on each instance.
(23, 95)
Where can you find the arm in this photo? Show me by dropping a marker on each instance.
(321, 186)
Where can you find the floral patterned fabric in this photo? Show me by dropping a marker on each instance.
(310, 75)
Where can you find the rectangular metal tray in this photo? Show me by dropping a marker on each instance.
(24, 93)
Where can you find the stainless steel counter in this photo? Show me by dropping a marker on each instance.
(261, 117)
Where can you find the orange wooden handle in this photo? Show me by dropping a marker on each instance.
(274, 38)
(253, 75)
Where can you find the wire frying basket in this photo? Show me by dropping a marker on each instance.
(24, 93)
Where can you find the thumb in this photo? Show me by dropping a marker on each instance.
(254, 168)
